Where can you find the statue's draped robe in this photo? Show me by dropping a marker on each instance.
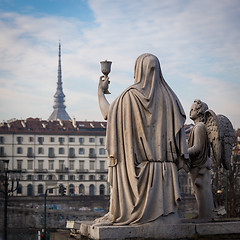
(198, 145)
(146, 145)
(200, 175)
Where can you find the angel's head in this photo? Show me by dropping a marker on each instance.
(197, 111)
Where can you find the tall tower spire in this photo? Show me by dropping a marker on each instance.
(59, 111)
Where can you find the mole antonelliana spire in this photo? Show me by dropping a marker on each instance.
(59, 111)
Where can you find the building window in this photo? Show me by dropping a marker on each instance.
(50, 190)
(102, 177)
(19, 140)
(71, 189)
(40, 164)
(19, 164)
(71, 152)
(51, 152)
(50, 164)
(29, 177)
(101, 140)
(2, 152)
(71, 177)
(102, 165)
(102, 151)
(81, 164)
(29, 190)
(30, 139)
(91, 165)
(91, 177)
(81, 150)
(61, 140)
(92, 153)
(40, 177)
(91, 140)
(19, 150)
(71, 139)
(52, 139)
(30, 164)
(61, 150)
(1, 140)
(61, 177)
(19, 189)
(61, 164)
(81, 177)
(81, 189)
(50, 177)
(40, 150)
(30, 152)
(71, 165)
(40, 189)
(40, 140)
(81, 141)
(102, 190)
(91, 190)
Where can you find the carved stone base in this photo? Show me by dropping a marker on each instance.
(162, 231)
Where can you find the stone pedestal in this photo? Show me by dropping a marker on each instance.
(162, 231)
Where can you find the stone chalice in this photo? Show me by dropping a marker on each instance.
(106, 69)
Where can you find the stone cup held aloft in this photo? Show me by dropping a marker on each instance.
(106, 69)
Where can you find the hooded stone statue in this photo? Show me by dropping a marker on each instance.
(146, 146)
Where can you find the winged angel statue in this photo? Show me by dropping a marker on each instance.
(214, 132)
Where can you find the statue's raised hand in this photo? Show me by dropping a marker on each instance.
(104, 84)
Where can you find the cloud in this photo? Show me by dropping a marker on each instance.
(221, 96)
(197, 43)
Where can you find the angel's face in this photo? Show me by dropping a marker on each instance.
(193, 112)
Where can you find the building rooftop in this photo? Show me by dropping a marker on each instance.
(39, 126)
(72, 127)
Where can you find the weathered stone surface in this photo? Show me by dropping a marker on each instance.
(218, 228)
(162, 231)
(167, 231)
(85, 228)
(73, 224)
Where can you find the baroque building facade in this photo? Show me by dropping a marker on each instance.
(71, 153)
(51, 153)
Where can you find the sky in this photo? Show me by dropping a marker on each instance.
(197, 43)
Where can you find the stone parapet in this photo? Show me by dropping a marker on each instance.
(156, 231)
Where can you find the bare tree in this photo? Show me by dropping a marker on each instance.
(226, 183)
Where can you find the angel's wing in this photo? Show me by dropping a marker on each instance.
(226, 139)
(212, 127)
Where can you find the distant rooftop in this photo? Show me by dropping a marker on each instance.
(71, 127)
(39, 126)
